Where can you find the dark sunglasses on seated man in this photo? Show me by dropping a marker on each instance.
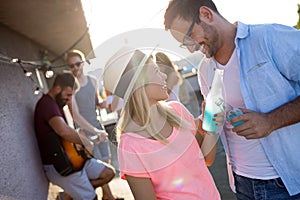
(75, 64)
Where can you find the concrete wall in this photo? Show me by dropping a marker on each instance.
(21, 175)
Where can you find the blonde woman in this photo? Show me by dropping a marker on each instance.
(159, 150)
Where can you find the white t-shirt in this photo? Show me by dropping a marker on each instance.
(246, 156)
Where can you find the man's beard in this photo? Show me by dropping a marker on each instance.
(60, 101)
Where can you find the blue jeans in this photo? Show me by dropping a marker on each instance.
(256, 189)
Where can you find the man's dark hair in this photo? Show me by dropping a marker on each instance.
(186, 9)
(65, 80)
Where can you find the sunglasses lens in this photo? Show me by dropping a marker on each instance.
(76, 64)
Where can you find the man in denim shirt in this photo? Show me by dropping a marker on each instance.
(261, 75)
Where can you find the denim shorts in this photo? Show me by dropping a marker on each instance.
(101, 151)
(256, 189)
(77, 184)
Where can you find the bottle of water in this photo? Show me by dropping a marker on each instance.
(230, 111)
(233, 112)
(210, 106)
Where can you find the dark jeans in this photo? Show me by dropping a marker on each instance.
(256, 189)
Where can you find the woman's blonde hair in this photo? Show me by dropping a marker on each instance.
(74, 53)
(138, 107)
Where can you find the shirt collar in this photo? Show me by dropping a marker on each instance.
(242, 31)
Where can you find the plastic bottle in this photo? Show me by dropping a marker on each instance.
(211, 108)
(231, 111)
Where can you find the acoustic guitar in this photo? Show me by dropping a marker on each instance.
(66, 156)
(76, 153)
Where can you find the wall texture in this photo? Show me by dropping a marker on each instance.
(21, 175)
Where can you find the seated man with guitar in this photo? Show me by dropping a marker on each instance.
(78, 174)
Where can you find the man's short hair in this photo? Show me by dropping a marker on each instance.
(65, 80)
(186, 10)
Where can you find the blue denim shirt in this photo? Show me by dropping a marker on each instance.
(269, 57)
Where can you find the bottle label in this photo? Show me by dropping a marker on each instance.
(208, 124)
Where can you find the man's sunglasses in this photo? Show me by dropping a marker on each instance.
(75, 64)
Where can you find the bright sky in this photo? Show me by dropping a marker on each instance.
(112, 17)
(108, 19)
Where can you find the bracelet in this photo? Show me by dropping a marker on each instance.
(94, 138)
(78, 130)
(200, 117)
